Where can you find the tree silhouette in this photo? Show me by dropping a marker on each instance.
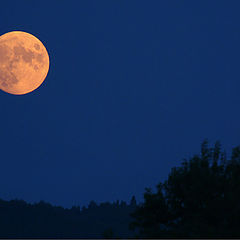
(133, 201)
(199, 199)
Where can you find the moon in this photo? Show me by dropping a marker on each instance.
(24, 62)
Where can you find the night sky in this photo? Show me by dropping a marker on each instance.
(133, 88)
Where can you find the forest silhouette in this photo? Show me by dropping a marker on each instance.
(19, 219)
(199, 199)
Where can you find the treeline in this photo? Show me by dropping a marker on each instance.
(19, 219)
(199, 199)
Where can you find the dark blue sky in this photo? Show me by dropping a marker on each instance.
(133, 88)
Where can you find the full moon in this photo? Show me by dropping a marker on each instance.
(24, 62)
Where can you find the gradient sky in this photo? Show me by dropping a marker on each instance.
(133, 88)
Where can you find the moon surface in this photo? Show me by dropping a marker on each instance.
(24, 62)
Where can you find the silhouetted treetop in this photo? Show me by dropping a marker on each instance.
(199, 199)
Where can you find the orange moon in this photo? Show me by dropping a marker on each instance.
(24, 62)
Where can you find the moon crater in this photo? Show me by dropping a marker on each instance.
(24, 62)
